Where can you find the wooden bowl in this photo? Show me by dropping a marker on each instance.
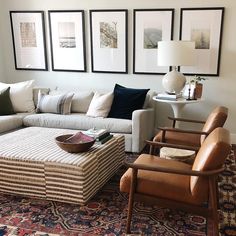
(82, 146)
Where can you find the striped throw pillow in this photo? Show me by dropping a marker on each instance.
(58, 104)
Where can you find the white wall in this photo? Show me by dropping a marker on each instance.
(217, 90)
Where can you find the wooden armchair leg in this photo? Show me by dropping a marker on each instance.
(213, 220)
(131, 199)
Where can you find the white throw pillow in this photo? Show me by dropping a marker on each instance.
(100, 105)
(21, 95)
(58, 104)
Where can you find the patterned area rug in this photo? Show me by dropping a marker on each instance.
(106, 214)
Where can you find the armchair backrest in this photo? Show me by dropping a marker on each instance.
(210, 156)
(216, 119)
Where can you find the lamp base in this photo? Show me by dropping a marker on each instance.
(173, 82)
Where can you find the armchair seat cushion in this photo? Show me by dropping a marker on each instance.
(179, 138)
(163, 185)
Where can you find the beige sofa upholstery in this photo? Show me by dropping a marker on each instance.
(136, 130)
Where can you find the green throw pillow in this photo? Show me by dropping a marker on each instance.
(6, 107)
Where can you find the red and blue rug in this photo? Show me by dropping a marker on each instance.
(106, 213)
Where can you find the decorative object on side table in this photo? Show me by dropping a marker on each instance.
(74, 143)
(193, 89)
(175, 53)
(198, 86)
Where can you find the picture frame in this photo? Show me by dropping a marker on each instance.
(205, 27)
(109, 40)
(28, 37)
(67, 40)
(150, 26)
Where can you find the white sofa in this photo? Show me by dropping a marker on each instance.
(136, 130)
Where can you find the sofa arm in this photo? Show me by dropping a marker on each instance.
(142, 128)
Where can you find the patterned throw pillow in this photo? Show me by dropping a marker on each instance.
(6, 107)
(58, 104)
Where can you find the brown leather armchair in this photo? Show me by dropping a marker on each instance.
(178, 185)
(192, 138)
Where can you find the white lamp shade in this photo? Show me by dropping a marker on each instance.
(176, 53)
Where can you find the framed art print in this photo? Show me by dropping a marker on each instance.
(150, 26)
(204, 26)
(109, 41)
(28, 35)
(67, 40)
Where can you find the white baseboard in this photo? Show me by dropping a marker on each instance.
(233, 138)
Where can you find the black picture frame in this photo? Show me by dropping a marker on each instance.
(109, 54)
(67, 40)
(146, 32)
(28, 37)
(205, 27)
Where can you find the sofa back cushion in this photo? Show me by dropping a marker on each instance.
(126, 100)
(58, 104)
(6, 107)
(80, 101)
(21, 95)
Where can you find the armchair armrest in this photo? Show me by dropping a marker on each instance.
(186, 120)
(183, 130)
(174, 119)
(142, 127)
(161, 144)
(173, 170)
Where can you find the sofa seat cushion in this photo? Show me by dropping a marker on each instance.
(10, 122)
(78, 121)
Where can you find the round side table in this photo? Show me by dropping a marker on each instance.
(177, 105)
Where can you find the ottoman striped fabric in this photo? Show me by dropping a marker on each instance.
(32, 164)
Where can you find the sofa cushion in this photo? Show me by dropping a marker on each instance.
(126, 100)
(80, 101)
(6, 107)
(78, 121)
(21, 95)
(100, 105)
(10, 122)
(58, 104)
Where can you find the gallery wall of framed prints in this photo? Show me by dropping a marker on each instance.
(67, 38)
(28, 35)
(108, 33)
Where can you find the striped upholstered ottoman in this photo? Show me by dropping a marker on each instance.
(32, 164)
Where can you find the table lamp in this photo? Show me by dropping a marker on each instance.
(175, 53)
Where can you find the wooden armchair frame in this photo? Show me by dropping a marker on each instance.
(209, 211)
(184, 120)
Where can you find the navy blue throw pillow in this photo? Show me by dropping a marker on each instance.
(125, 101)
